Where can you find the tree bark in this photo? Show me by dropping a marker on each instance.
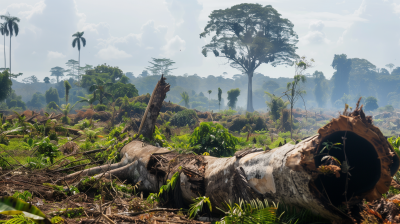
(250, 92)
(290, 174)
(153, 108)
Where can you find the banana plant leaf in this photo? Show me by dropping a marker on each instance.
(14, 206)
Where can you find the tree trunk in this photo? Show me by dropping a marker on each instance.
(291, 174)
(153, 108)
(291, 122)
(250, 92)
(10, 61)
(5, 62)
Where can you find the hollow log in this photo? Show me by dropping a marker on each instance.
(291, 174)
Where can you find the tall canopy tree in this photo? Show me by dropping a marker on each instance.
(58, 72)
(249, 35)
(320, 89)
(12, 26)
(77, 42)
(4, 32)
(161, 66)
(340, 77)
(219, 98)
(5, 85)
(390, 66)
(46, 80)
(72, 65)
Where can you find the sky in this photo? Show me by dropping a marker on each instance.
(128, 33)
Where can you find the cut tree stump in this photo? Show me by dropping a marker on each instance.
(290, 174)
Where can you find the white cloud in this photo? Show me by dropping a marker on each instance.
(54, 55)
(315, 35)
(112, 53)
(317, 25)
(174, 45)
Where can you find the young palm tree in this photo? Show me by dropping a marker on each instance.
(4, 32)
(77, 42)
(185, 98)
(12, 26)
(100, 88)
(90, 101)
(65, 109)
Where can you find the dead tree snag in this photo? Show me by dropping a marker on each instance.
(153, 108)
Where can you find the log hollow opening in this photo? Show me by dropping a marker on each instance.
(365, 168)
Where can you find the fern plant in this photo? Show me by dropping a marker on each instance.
(26, 195)
(18, 219)
(255, 211)
(198, 204)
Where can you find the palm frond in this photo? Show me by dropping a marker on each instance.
(74, 42)
(198, 204)
(83, 41)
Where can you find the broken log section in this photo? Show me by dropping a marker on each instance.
(311, 174)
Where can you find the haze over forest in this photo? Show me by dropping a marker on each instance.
(170, 29)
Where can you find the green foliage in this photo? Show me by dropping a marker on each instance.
(185, 99)
(197, 206)
(18, 219)
(5, 85)
(52, 105)
(255, 211)
(15, 102)
(37, 101)
(170, 184)
(37, 162)
(387, 108)
(14, 206)
(159, 138)
(100, 107)
(164, 188)
(232, 97)
(228, 112)
(103, 72)
(53, 135)
(47, 149)
(57, 220)
(67, 88)
(184, 117)
(289, 214)
(52, 96)
(85, 123)
(371, 103)
(276, 105)
(91, 135)
(120, 90)
(26, 195)
(341, 77)
(213, 139)
(321, 87)
(161, 66)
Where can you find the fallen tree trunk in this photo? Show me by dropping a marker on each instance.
(299, 175)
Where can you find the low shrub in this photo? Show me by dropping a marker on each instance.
(100, 107)
(214, 139)
(183, 118)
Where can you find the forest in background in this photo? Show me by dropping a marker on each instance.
(354, 78)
